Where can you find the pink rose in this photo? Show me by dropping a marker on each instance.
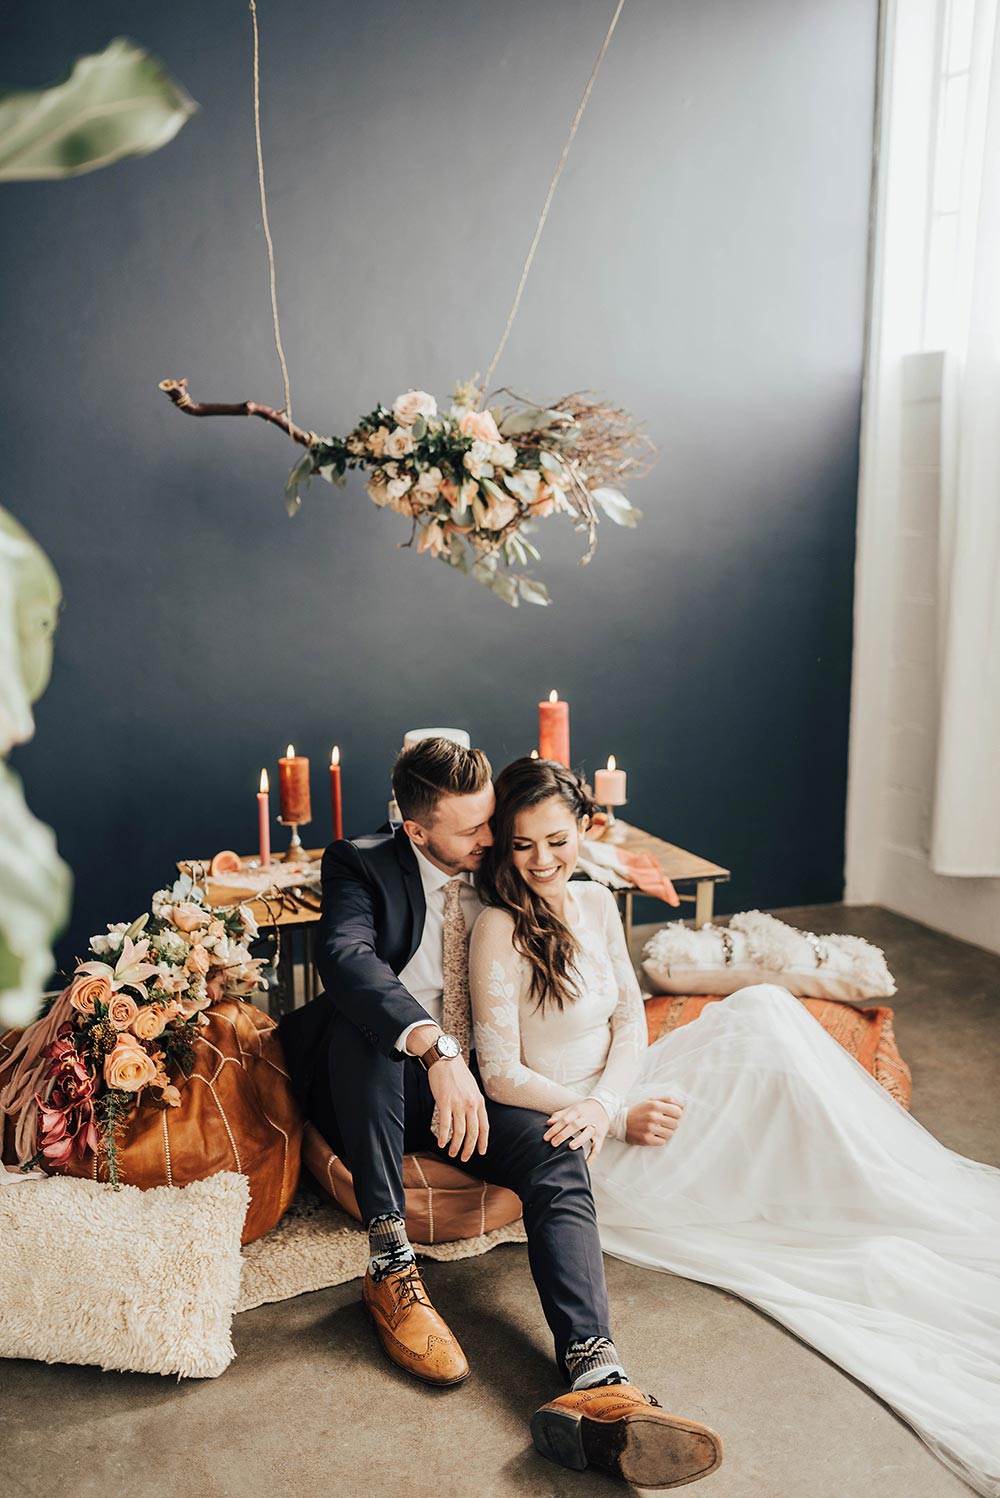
(86, 992)
(479, 424)
(187, 916)
(198, 961)
(128, 1067)
(122, 1010)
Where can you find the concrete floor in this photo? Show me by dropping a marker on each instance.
(311, 1408)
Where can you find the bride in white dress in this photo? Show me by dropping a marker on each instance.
(746, 1149)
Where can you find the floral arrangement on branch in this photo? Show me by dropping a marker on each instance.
(473, 483)
(133, 1014)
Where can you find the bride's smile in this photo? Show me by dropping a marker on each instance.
(545, 848)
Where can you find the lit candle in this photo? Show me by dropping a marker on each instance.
(609, 785)
(293, 778)
(335, 798)
(264, 821)
(534, 753)
(553, 729)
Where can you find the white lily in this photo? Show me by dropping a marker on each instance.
(129, 971)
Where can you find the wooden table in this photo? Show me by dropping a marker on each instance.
(294, 917)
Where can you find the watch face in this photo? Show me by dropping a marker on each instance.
(447, 1045)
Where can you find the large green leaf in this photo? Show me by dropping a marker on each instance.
(114, 103)
(35, 888)
(29, 606)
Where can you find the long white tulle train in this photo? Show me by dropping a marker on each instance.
(796, 1182)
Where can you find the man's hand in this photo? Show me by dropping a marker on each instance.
(460, 1109)
(653, 1121)
(585, 1124)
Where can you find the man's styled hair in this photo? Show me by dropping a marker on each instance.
(433, 768)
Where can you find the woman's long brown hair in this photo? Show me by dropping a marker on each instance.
(539, 935)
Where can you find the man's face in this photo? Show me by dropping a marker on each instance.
(459, 832)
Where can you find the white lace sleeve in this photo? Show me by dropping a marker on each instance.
(497, 977)
(628, 1026)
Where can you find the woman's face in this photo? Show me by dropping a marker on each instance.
(545, 846)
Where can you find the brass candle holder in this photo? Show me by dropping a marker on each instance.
(613, 832)
(295, 852)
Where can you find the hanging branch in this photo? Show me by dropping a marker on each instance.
(177, 391)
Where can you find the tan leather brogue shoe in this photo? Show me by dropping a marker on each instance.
(625, 1432)
(412, 1333)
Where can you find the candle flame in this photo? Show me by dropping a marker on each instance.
(335, 755)
(534, 753)
(264, 786)
(612, 762)
(290, 751)
(553, 695)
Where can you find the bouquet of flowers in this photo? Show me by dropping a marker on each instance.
(473, 483)
(132, 1015)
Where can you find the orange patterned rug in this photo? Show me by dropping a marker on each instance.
(866, 1034)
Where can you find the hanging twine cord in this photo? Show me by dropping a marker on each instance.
(548, 200)
(263, 214)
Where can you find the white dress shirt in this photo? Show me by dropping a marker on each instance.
(423, 975)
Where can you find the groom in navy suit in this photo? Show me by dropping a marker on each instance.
(380, 1073)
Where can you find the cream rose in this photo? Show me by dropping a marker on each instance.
(187, 916)
(128, 1067)
(479, 424)
(396, 488)
(171, 1096)
(122, 1010)
(399, 442)
(150, 1022)
(406, 408)
(429, 483)
(86, 992)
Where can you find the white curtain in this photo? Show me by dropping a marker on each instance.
(965, 832)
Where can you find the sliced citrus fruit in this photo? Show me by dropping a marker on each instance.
(226, 862)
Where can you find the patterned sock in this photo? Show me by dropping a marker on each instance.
(594, 1362)
(388, 1246)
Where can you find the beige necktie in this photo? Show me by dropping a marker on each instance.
(455, 1016)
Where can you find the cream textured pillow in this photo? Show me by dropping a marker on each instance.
(758, 948)
(141, 1281)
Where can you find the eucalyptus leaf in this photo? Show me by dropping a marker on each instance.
(35, 888)
(492, 488)
(534, 592)
(419, 428)
(616, 506)
(293, 503)
(300, 474)
(532, 419)
(483, 570)
(112, 104)
(30, 597)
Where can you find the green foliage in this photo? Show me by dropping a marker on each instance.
(112, 104)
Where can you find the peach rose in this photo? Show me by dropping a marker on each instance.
(500, 512)
(216, 929)
(479, 424)
(86, 992)
(128, 1067)
(198, 960)
(122, 1010)
(150, 1021)
(171, 1096)
(187, 916)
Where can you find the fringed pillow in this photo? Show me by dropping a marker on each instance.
(758, 948)
(130, 1280)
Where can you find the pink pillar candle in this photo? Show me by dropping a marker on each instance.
(553, 729)
(336, 801)
(264, 821)
(609, 785)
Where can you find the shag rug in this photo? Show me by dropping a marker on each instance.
(316, 1245)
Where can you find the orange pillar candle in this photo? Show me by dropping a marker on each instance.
(264, 821)
(609, 785)
(553, 729)
(336, 804)
(293, 784)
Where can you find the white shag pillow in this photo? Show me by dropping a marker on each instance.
(136, 1281)
(758, 948)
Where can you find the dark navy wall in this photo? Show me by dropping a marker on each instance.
(704, 265)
